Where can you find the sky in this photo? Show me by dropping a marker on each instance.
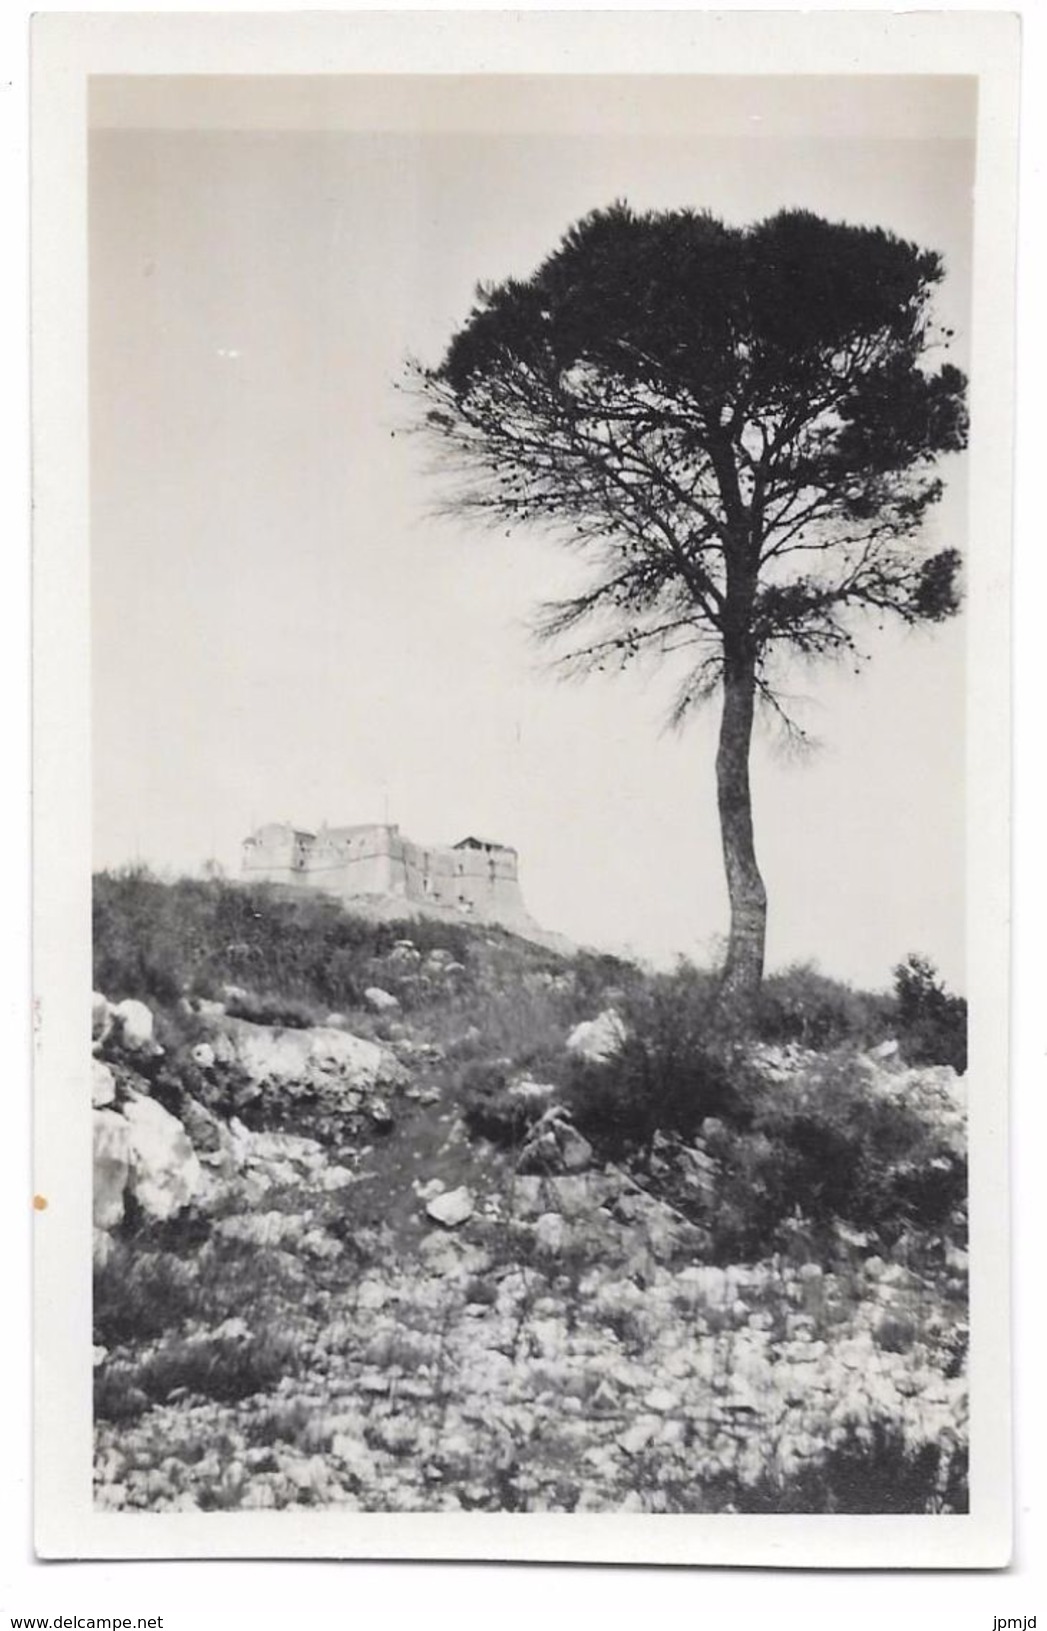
(284, 629)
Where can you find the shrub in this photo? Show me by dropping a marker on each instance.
(674, 1068)
(870, 1470)
(139, 1295)
(272, 1010)
(827, 1148)
(223, 1368)
(167, 1275)
(155, 940)
(932, 1022)
(802, 1005)
(489, 1107)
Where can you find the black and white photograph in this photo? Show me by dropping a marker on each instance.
(539, 989)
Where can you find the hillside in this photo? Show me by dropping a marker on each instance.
(423, 1216)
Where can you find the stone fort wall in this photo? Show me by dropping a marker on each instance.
(474, 877)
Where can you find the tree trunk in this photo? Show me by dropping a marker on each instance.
(743, 970)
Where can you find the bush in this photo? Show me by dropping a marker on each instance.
(802, 1005)
(872, 1470)
(168, 1275)
(489, 1107)
(674, 1068)
(932, 1023)
(141, 1295)
(223, 1368)
(157, 940)
(272, 1010)
(825, 1147)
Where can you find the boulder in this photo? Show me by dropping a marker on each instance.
(599, 1039)
(551, 1233)
(101, 1019)
(554, 1145)
(935, 1093)
(451, 1208)
(381, 1116)
(165, 1172)
(699, 1171)
(577, 1194)
(576, 1152)
(706, 1282)
(282, 1229)
(135, 1021)
(322, 1058)
(203, 1055)
(634, 1440)
(204, 1128)
(885, 1050)
(380, 1001)
(451, 1257)
(336, 1177)
(540, 1154)
(112, 1154)
(530, 1091)
(103, 1085)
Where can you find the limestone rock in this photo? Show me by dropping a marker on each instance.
(263, 1228)
(599, 1039)
(320, 1058)
(103, 1085)
(540, 1154)
(554, 1145)
(576, 1153)
(634, 1440)
(165, 1171)
(101, 1019)
(573, 1195)
(936, 1094)
(551, 1233)
(318, 1243)
(204, 1129)
(451, 1208)
(380, 1001)
(885, 1050)
(381, 1115)
(526, 1196)
(530, 1091)
(136, 1025)
(705, 1281)
(336, 1177)
(112, 1155)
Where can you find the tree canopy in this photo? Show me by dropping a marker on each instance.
(739, 428)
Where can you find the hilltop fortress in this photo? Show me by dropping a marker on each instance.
(474, 878)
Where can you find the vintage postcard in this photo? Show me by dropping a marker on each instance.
(522, 555)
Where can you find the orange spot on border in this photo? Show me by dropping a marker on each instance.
(40, 1203)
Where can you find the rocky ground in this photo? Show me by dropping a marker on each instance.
(317, 1287)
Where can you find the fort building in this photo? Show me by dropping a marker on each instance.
(475, 877)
